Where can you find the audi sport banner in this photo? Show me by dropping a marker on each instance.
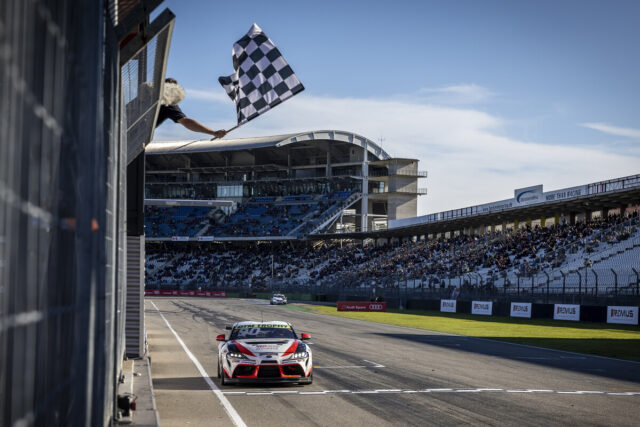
(482, 307)
(566, 312)
(210, 294)
(521, 309)
(622, 314)
(448, 305)
(361, 306)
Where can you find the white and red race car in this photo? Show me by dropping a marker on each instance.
(264, 352)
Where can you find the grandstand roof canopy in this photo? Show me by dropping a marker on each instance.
(206, 146)
(611, 194)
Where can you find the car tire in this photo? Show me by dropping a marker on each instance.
(221, 375)
(310, 381)
(271, 302)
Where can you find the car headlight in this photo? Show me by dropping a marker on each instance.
(236, 355)
(300, 355)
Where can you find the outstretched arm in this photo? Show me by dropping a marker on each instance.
(196, 126)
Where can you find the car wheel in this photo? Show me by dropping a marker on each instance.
(310, 379)
(221, 376)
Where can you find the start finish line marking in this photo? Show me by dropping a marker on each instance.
(430, 390)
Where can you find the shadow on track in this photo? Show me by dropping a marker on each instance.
(533, 352)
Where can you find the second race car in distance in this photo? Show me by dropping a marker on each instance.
(264, 352)
(278, 299)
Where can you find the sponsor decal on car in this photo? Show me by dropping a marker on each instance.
(263, 325)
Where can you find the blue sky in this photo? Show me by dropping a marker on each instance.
(489, 95)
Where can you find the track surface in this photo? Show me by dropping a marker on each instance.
(373, 374)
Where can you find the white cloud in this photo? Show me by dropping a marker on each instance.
(468, 157)
(613, 130)
(456, 94)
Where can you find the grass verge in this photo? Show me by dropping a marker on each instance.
(601, 339)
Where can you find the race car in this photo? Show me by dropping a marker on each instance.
(278, 299)
(264, 352)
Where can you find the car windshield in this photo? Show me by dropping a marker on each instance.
(262, 331)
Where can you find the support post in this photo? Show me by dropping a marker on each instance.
(532, 283)
(615, 280)
(546, 274)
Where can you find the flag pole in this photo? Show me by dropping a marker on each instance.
(212, 139)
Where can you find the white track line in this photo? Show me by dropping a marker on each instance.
(235, 417)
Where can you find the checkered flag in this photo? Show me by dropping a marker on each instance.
(262, 78)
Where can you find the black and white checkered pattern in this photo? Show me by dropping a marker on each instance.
(262, 78)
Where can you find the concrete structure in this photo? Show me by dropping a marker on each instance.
(310, 163)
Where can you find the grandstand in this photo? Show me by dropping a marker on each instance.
(583, 240)
(283, 187)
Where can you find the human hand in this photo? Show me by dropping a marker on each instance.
(219, 133)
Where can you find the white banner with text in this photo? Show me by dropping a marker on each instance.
(482, 307)
(521, 309)
(448, 305)
(566, 312)
(622, 314)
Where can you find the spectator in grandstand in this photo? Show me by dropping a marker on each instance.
(170, 110)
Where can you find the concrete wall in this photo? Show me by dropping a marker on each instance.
(402, 206)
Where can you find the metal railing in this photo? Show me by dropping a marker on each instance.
(414, 173)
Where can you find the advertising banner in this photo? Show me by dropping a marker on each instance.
(567, 193)
(526, 196)
(622, 314)
(208, 294)
(482, 307)
(521, 309)
(361, 306)
(448, 305)
(205, 238)
(180, 238)
(566, 312)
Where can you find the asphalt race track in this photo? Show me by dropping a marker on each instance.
(368, 374)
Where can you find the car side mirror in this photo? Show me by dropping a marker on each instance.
(220, 337)
(305, 336)
(228, 328)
